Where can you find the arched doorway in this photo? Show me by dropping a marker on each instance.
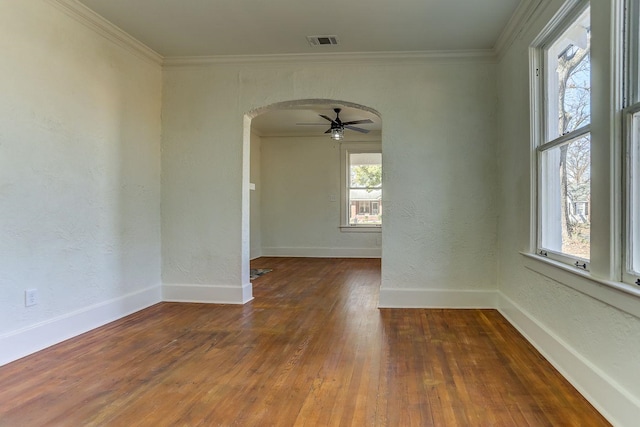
(290, 128)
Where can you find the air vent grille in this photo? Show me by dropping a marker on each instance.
(322, 40)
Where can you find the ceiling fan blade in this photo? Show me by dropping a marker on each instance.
(326, 118)
(329, 131)
(357, 129)
(357, 122)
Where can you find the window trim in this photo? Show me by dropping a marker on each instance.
(345, 150)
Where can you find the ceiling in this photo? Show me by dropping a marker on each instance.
(258, 27)
(286, 122)
(187, 28)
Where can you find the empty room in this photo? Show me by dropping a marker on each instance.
(225, 213)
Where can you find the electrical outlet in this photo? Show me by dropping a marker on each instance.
(30, 297)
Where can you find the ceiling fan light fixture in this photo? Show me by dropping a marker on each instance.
(337, 134)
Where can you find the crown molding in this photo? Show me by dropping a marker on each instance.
(487, 55)
(522, 15)
(517, 24)
(97, 23)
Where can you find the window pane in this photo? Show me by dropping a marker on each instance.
(634, 202)
(365, 206)
(566, 198)
(365, 170)
(568, 79)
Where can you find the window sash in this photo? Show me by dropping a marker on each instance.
(631, 271)
(549, 60)
(544, 202)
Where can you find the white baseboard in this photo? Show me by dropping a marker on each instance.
(322, 252)
(616, 404)
(211, 294)
(436, 298)
(255, 253)
(21, 343)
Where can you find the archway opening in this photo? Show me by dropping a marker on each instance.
(296, 200)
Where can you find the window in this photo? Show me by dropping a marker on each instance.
(631, 116)
(565, 147)
(563, 70)
(362, 186)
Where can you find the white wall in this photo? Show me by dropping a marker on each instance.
(299, 216)
(79, 178)
(589, 331)
(439, 237)
(256, 196)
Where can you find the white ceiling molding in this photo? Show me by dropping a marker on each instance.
(97, 23)
(517, 24)
(487, 55)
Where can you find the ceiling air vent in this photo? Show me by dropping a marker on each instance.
(322, 40)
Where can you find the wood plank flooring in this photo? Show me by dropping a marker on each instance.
(312, 349)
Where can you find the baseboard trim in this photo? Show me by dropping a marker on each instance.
(615, 403)
(322, 252)
(209, 294)
(436, 298)
(23, 342)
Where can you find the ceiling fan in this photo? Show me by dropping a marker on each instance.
(338, 126)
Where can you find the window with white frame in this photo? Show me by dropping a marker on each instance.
(563, 77)
(631, 117)
(362, 186)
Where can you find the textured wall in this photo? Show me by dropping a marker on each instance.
(592, 342)
(440, 165)
(298, 215)
(79, 167)
(256, 196)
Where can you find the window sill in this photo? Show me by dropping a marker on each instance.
(361, 228)
(610, 292)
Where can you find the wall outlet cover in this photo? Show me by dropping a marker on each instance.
(30, 297)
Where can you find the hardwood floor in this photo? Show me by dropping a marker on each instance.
(312, 349)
